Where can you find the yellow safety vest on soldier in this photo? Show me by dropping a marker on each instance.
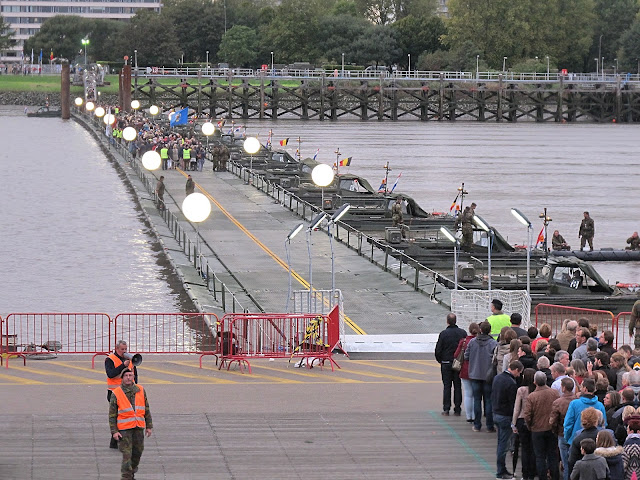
(130, 416)
(164, 153)
(113, 383)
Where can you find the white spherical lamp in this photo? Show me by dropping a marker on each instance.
(109, 119)
(135, 104)
(90, 106)
(78, 101)
(151, 160)
(196, 207)
(153, 110)
(129, 134)
(99, 112)
(208, 128)
(322, 175)
(251, 145)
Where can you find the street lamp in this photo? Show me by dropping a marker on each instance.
(477, 219)
(90, 106)
(343, 64)
(341, 212)
(208, 129)
(251, 145)
(271, 63)
(615, 72)
(85, 45)
(409, 65)
(547, 67)
(151, 159)
(322, 175)
(287, 248)
(456, 243)
(135, 59)
(504, 64)
(207, 62)
(109, 119)
(99, 112)
(315, 224)
(545, 221)
(135, 104)
(536, 67)
(477, 67)
(597, 69)
(130, 134)
(154, 110)
(602, 67)
(525, 221)
(197, 208)
(600, 52)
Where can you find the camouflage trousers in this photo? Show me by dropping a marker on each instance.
(636, 339)
(131, 445)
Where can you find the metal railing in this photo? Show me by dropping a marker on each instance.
(388, 258)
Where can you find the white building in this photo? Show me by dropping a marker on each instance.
(26, 16)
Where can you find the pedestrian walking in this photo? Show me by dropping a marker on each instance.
(160, 192)
(114, 365)
(130, 420)
(445, 348)
(190, 187)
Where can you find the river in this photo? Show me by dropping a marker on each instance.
(73, 237)
(566, 168)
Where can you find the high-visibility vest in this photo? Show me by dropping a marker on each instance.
(164, 152)
(119, 133)
(113, 383)
(130, 416)
(117, 110)
(186, 154)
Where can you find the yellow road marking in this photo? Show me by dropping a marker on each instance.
(50, 373)
(20, 381)
(237, 372)
(381, 375)
(185, 375)
(268, 251)
(380, 365)
(305, 372)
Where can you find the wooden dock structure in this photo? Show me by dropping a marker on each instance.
(437, 96)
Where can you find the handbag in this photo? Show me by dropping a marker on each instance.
(493, 369)
(456, 365)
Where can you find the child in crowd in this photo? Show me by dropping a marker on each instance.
(591, 467)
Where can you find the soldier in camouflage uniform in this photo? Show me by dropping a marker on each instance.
(129, 430)
(633, 324)
(466, 219)
(397, 217)
(634, 242)
(587, 231)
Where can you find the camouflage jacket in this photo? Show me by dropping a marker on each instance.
(130, 392)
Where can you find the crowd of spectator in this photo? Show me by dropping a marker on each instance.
(564, 403)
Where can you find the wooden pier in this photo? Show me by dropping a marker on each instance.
(501, 98)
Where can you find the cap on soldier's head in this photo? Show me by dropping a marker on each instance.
(473, 205)
(126, 370)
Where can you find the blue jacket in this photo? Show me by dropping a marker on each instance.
(572, 419)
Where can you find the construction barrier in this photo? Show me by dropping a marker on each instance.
(28, 334)
(168, 332)
(621, 331)
(555, 315)
(306, 337)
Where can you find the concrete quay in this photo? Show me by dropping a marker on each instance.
(244, 241)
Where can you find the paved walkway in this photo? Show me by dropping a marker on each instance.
(375, 419)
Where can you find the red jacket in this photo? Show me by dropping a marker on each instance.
(462, 346)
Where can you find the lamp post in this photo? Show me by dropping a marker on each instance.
(536, 67)
(150, 160)
(409, 64)
(322, 175)
(343, 64)
(341, 212)
(600, 52)
(525, 221)
(271, 63)
(287, 248)
(477, 219)
(78, 101)
(477, 67)
(208, 129)
(504, 64)
(597, 69)
(85, 45)
(197, 208)
(547, 67)
(602, 67)
(207, 63)
(456, 243)
(251, 145)
(545, 221)
(615, 72)
(315, 224)
(154, 110)
(135, 104)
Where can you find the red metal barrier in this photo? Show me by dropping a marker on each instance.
(555, 315)
(168, 332)
(622, 330)
(275, 335)
(25, 334)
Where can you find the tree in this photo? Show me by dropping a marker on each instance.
(384, 12)
(377, 46)
(62, 34)
(419, 35)
(338, 34)
(572, 35)
(613, 18)
(103, 34)
(6, 35)
(630, 48)
(238, 47)
(154, 38)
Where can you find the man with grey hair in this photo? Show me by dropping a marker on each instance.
(563, 357)
(558, 372)
(536, 415)
(543, 366)
(592, 349)
(567, 334)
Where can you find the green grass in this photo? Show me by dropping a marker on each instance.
(47, 84)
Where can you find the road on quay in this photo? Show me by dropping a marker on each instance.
(376, 418)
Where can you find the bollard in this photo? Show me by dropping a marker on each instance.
(65, 91)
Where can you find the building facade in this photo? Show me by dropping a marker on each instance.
(26, 16)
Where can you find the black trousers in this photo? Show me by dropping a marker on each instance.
(450, 377)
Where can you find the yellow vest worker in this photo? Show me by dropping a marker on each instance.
(164, 153)
(130, 416)
(497, 319)
(186, 154)
(113, 383)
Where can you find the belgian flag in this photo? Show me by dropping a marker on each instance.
(345, 162)
(284, 142)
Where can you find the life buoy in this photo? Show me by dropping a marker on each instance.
(154, 69)
(628, 285)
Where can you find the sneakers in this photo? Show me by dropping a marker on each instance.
(505, 476)
(469, 420)
(474, 429)
(446, 414)
(492, 430)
